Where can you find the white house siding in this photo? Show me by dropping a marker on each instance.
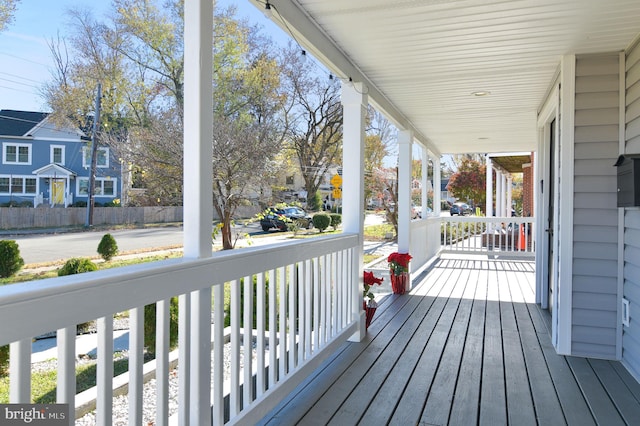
(595, 219)
(631, 334)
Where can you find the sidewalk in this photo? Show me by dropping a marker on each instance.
(86, 345)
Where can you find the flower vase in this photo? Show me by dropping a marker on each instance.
(399, 282)
(370, 312)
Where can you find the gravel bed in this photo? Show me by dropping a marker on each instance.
(121, 403)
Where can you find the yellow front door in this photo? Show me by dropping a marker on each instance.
(57, 191)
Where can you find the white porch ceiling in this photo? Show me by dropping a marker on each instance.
(423, 59)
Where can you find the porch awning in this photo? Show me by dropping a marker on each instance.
(54, 171)
(512, 163)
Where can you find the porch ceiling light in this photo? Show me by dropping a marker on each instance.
(268, 12)
(480, 93)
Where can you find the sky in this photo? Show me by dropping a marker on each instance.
(25, 59)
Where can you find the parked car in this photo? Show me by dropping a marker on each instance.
(279, 218)
(461, 209)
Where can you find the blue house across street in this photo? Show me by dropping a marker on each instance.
(43, 164)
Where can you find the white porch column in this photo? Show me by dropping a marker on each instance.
(437, 183)
(405, 139)
(425, 182)
(498, 193)
(354, 106)
(198, 199)
(504, 194)
(489, 202)
(509, 195)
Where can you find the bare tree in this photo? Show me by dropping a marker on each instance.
(315, 120)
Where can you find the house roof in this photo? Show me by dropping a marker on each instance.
(19, 123)
(426, 64)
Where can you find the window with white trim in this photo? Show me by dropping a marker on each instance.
(102, 157)
(57, 154)
(103, 187)
(16, 153)
(20, 185)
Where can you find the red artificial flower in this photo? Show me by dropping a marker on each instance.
(370, 279)
(401, 259)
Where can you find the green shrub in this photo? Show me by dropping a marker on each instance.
(336, 220)
(321, 221)
(77, 265)
(314, 203)
(10, 259)
(150, 326)
(107, 247)
(227, 304)
(4, 360)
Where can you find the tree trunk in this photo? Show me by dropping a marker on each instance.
(227, 241)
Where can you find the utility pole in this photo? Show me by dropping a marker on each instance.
(94, 158)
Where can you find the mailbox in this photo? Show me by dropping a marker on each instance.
(628, 180)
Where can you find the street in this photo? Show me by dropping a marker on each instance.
(48, 248)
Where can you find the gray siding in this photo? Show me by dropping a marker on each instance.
(631, 334)
(595, 218)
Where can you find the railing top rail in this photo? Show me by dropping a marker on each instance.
(483, 219)
(76, 298)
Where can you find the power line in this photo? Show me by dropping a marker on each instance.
(17, 90)
(24, 59)
(18, 82)
(20, 77)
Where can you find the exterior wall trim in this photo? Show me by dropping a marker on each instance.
(622, 143)
(565, 215)
(548, 113)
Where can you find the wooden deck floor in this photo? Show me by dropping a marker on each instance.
(467, 346)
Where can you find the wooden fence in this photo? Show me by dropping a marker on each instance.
(29, 217)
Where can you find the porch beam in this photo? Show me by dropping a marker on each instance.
(354, 104)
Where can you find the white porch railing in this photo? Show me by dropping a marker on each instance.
(304, 305)
(38, 199)
(488, 235)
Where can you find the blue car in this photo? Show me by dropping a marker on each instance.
(460, 209)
